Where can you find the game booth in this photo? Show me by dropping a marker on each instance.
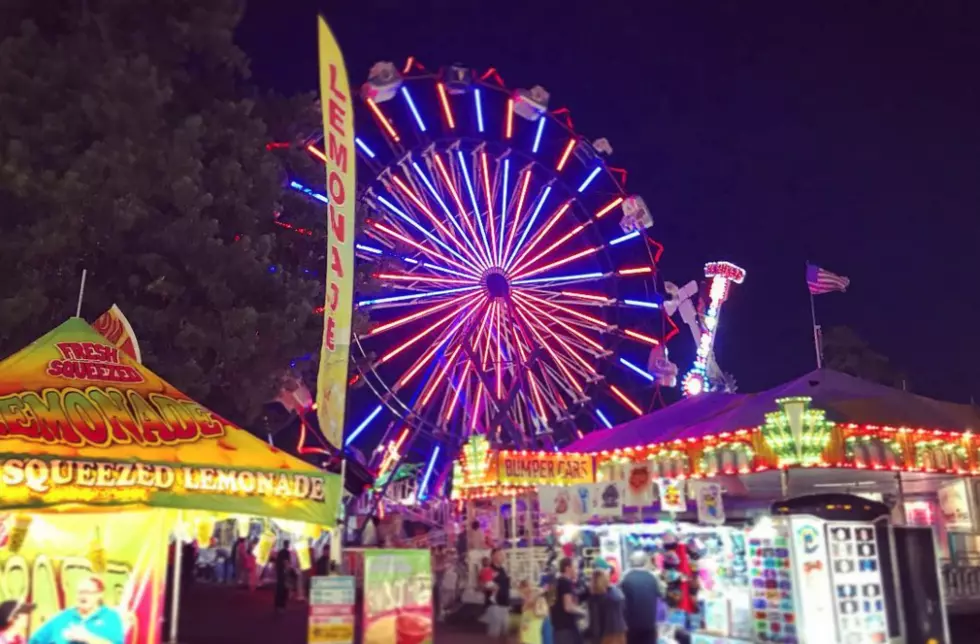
(763, 515)
(101, 462)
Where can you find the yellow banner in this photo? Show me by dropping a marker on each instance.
(338, 144)
(543, 468)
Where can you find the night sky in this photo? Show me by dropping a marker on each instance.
(763, 133)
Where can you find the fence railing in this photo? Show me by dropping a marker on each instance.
(961, 582)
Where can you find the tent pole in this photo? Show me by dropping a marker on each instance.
(81, 294)
(175, 594)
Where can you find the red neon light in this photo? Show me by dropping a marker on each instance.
(412, 340)
(553, 246)
(609, 206)
(301, 443)
(564, 155)
(567, 327)
(509, 123)
(544, 231)
(408, 64)
(446, 109)
(420, 247)
(639, 336)
(559, 262)
(439, 377)
(408, 318)
(315, 151)
(378, 114)
(625, 399)
(409, 277)
(295, 229)
(517, 212)
(485, 166)
(587, 296)
(636, 271)
(578, 314)
(571, 350)
(547, 347)
(500, 354)
(277, 146)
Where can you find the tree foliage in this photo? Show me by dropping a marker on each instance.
(845, 351)
(132, 146)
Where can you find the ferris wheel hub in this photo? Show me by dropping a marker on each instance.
(496, 283)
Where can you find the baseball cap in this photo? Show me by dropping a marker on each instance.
(10, 609)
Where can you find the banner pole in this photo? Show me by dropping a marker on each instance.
(337, 539)
(81, 294)
(175, 592)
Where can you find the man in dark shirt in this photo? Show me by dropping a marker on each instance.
(642, 591)
(566, 612)
(498, 613)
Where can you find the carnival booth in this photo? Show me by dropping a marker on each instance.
(101, 461)
(823, 433)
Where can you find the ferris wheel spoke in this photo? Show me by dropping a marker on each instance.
(435, 382)
(411, 317)
(521, 196)
(417, 337)
(430, 186)
(559, 280)
(464, 171)
(441, 339)
(455, 190)
(579, 362)
(390, 232)
(467, 265)
(422, 207)
(596, 347)
(594, 322)
(554, 356)
(409, 299)
(549, 224)
(488, 194)
(421, 279)
(559, 262)
(599, 214)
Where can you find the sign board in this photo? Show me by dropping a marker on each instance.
(544, 468)
(397, 597)
(955, 506)
(331, 610)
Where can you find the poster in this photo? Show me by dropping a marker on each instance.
(639, 485)
(708, 497)
(672, 498)
(812, 572)
(109, 566)
(397, 597)
(331, 610)
(338, 144)
(954, 503)
(606, 499)
(565, 504)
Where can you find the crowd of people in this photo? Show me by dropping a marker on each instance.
(565, 611)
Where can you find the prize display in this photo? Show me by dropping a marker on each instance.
(772, 588)
(856, 579)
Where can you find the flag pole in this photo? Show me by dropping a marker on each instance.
(816, 333)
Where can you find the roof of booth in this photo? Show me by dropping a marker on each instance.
(846, 399)
(70, 397)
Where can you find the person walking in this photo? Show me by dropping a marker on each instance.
(498, 613)
(283, 570)
(606, 622)
(566, 612)
(641, 591)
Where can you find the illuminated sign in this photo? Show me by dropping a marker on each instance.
(33, 478)
(528, 468)
(103, 416)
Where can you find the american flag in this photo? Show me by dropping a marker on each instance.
(820, 281)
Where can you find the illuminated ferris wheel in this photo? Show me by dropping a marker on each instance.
(518, 295)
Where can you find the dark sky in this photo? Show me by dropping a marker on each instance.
(764, 133)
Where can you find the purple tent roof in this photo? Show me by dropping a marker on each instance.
(846, 399)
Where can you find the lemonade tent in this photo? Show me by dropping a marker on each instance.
(84, 426)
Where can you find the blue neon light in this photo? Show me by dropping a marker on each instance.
(530, 223)
(537, 135)
(561, 278)
(428, 472)
(626, 237)
(629, 365)
(602, 417)
(299, 187)
(644, 304)
(360, 428)
(411, 105)
(479, 109)
(589, 179)
(394, 209)
(369, 249)
(503, 209)
(364, 148)
(417, 296)
(476, 206)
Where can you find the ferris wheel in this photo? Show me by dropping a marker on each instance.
(518, 293)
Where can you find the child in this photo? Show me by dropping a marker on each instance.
(533, 612)
(486, 579)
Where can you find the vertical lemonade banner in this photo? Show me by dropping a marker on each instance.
(338, 144)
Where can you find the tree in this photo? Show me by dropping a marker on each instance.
(132, 146)
(845, 351)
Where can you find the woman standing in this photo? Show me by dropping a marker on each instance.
(606, 621)
(283, 570)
